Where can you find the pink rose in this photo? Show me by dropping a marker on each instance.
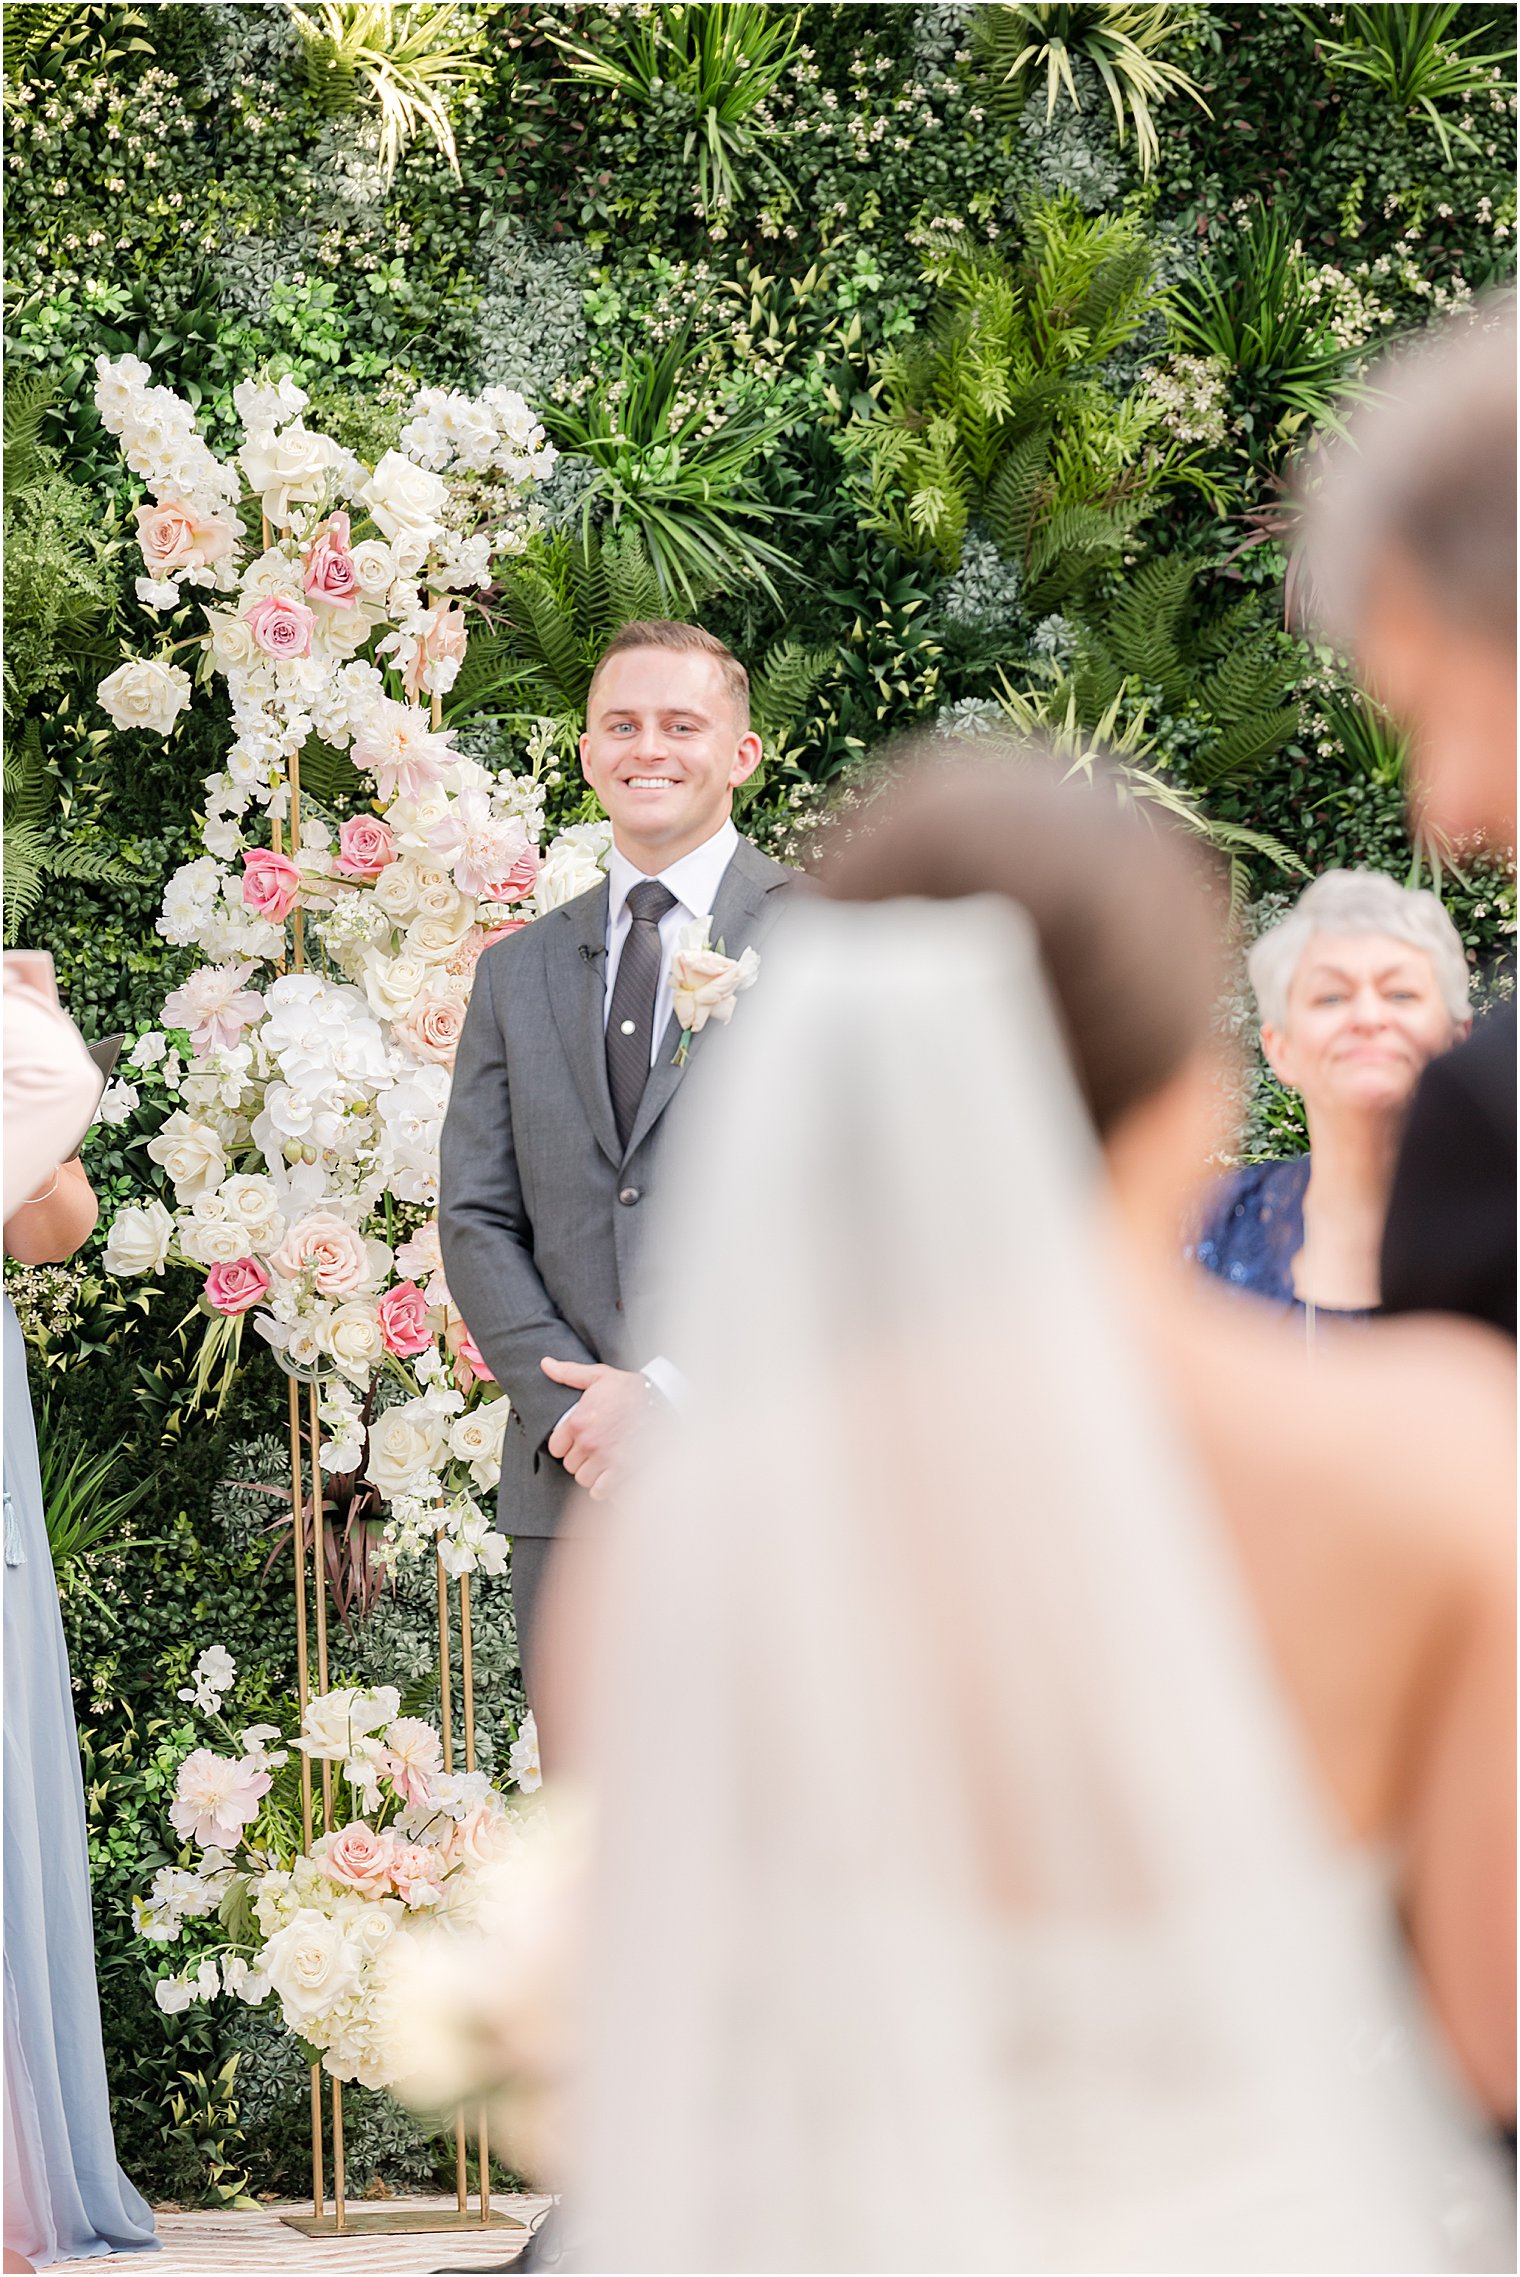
(403, 1314)
(234, 1288)
(500, 932)
(366, 846)
(271, 884)
(432, 1027)
(417, 1870)
(478, 1839)
(330, 574)
(357, 1858)
(281, 627)
(175, 538)
(323, 1245)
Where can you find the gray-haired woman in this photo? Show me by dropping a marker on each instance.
(1359, 988)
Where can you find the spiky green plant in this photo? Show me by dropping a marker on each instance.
(88, 1494)
(1048, 711)
(1253, 307)
(719, 60)
(1014, 41)
(1406, 50)
(996, 412)
(410, 59)
(679, 471)
(1373, 744)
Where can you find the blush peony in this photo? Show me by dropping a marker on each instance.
(215, 1797)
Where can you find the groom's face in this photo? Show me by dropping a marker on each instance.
(663, 750)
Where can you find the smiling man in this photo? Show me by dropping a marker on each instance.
(569, 1073)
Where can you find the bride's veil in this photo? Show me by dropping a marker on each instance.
(939, 1773)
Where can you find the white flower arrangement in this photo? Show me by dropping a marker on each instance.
(326, 1932)
(304, 1108)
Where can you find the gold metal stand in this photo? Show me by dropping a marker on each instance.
(305, 1441)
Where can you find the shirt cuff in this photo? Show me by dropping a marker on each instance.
(667, 1379)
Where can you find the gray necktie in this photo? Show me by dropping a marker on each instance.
(630, 1028)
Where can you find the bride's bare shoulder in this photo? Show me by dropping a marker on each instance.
(1404, 1428)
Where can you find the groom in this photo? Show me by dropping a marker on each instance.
(566, 1083)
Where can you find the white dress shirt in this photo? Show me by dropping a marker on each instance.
(694, 880)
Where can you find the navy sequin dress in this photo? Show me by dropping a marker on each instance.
(1251, 1228)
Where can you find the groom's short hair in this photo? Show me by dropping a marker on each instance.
(684, 640)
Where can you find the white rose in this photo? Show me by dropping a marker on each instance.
(287, 468)
(192, 1154)
(476, 1439)
(145, 694)
(254, 1200)
(375, 568)
(402, 1442)
(273, 573)
(393, 984)
(354, 1339)
(404, 497)
(139, 1239)
(312, 1964)
(435, 939)
(568, 869)
(211, 1235)
(396, 890)
(233, 647)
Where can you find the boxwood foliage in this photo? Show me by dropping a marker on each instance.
(174, 190)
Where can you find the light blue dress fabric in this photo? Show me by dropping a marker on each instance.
(65, 2196)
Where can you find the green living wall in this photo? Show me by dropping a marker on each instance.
(931, 394)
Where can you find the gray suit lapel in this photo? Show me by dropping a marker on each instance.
(747, 884)
(577, 962)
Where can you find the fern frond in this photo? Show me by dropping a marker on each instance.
(1245, 745)
(28, 398)
(1015, 491)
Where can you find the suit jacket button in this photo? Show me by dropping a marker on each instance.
(618, 1304)
(629, 1196)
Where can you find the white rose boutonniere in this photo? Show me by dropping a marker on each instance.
(704, 982)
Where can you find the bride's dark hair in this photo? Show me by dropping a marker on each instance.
(1126, 911)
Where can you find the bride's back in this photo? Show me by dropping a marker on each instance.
(988, 1909)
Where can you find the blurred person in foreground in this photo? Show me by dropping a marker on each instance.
(65, 2196)
(1359, 987)
(1408, 554)
(1077, 1830)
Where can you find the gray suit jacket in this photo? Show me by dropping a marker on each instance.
(542, 1214)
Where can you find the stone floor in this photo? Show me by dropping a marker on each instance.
(246, 2244)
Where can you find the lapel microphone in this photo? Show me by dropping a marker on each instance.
(589, 954)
